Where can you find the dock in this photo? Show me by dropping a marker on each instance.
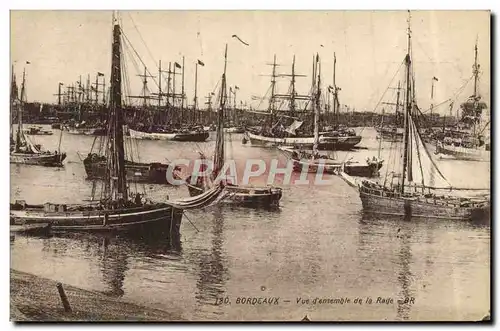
(34, 298)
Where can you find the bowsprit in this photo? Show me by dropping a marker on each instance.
(257, 301)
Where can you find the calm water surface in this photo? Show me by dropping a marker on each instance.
(318, 245)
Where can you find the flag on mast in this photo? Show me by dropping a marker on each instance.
(201, 63)
(177, 65)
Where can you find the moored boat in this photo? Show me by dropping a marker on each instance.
(243, 196)
(412, 191)
(115, 208)
(466, 141)
(313, 161)
(192, 134)
(154, 173)
(37, 131)
(23, 150)
(286, 130)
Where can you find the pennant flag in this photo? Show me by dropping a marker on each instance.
(236, 88)
(201, 63)
(434, 78)
(177, 65)
(28, 62)
(244, 43)
(100, 74)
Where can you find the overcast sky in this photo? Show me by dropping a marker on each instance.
(369, 46)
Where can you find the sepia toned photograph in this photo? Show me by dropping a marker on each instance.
(245, 166)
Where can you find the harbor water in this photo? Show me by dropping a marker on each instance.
(318, 245)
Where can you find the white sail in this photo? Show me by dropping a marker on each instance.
(294, 126)
(424, 169)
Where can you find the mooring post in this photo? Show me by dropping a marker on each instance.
(64, 298)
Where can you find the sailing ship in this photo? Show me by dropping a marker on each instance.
(286, 131)
(467, 141)
(117, 209)
(196, 134)
(412, 192)
(313, 161)
(22, 149)
(152, 131)
(37, 131)
(391, 132)
(86, 130)
(153, 173)
(245, 196)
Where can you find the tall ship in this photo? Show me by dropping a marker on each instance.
(314, 161)
(116, 208)
(289, 128)
(178, 126)
(22, 149)
(414, 186)
(467, 141)
(237, 195)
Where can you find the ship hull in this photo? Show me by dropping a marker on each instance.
(249, 197)
(331, 166)
(463, 153)
(46, 160)
(234, 129)
(152, 173)
(158, 218)
(87, 131)
(325, 142)
(420, 207)
(367, 170)
(175, 136)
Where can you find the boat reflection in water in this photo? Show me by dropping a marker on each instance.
(373, 230)
(113, 253)
(212, 273)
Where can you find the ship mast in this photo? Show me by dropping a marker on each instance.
(272, 99)
(117, 153)
(475, 71)
(19, 135)
(407, 169)
(317, 107)
(219, 142)
(292, 94)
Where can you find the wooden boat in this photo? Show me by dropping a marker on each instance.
(283, 132)
(467, 144)
(313, 161)
(118, 209)
(37, 130)
(413, 192)
(23, 150)
(244, 196)
(461, 152)
(390, 134)
(192, 134)
(83, 129)
(326, 142)
(154, 173)
(235, 129)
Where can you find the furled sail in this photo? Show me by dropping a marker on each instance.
(206, 199)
